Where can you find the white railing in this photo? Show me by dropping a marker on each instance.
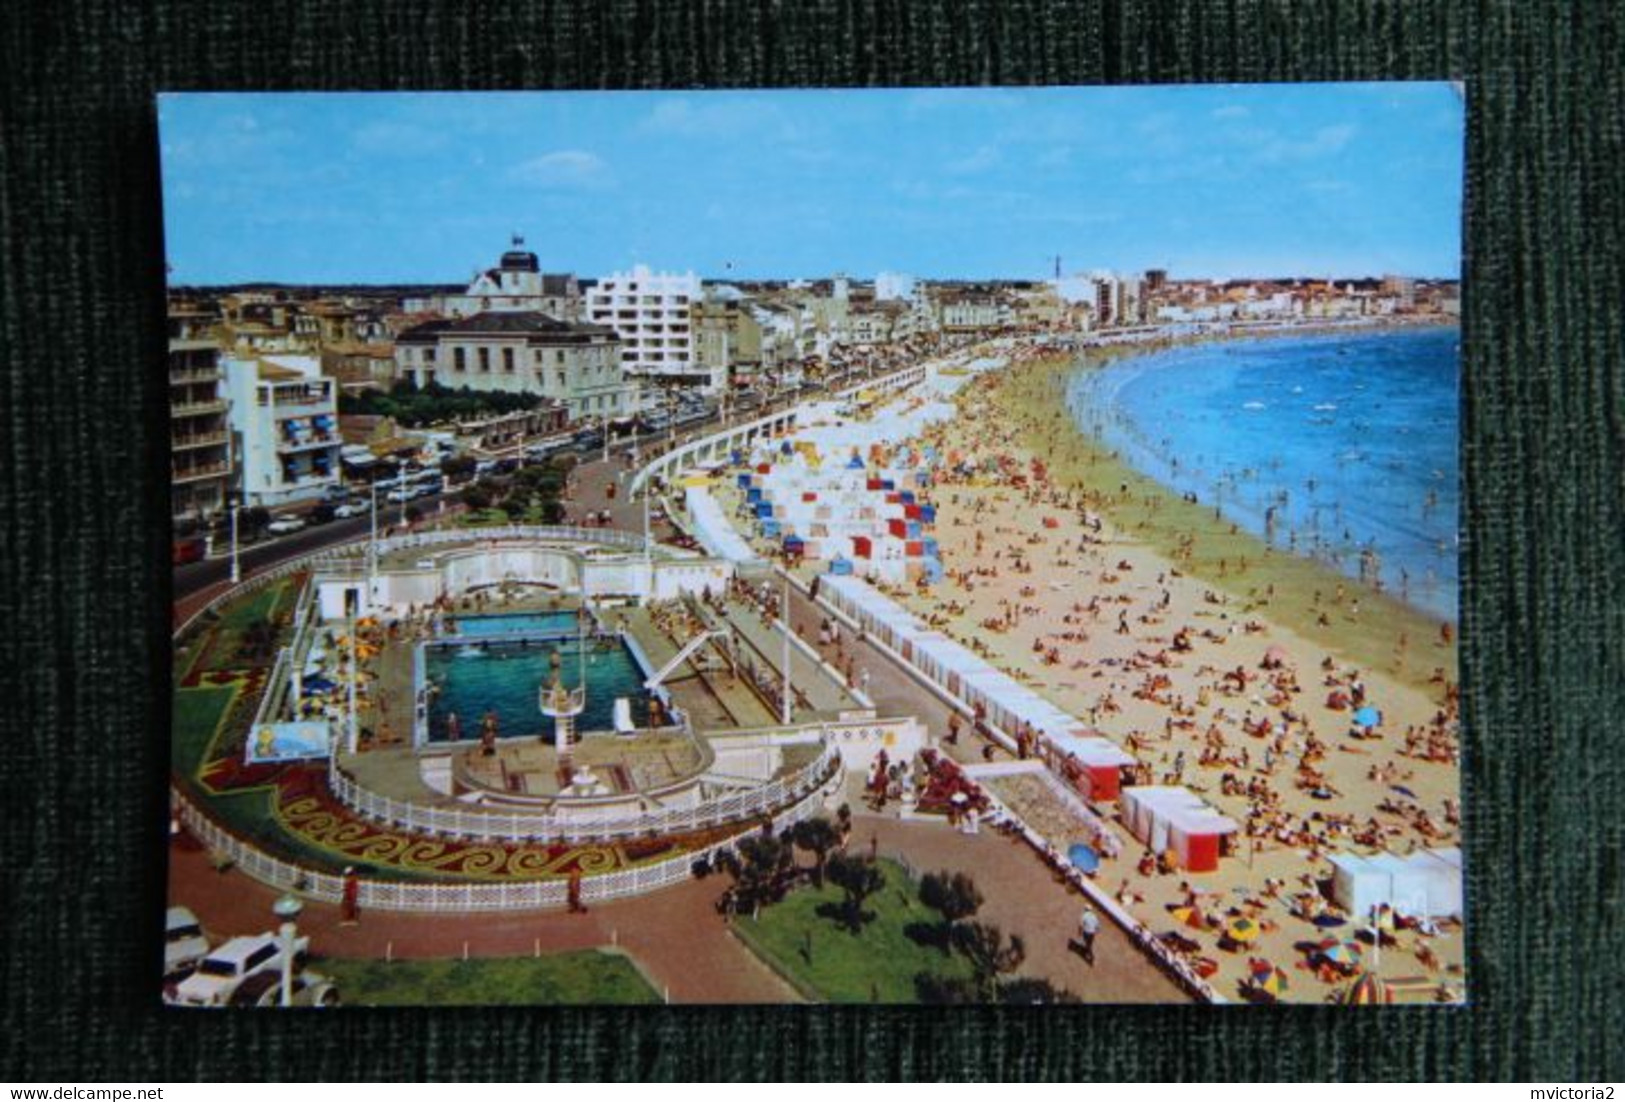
(389, 895)
(601, 823)
(339, 551)
(686, 453)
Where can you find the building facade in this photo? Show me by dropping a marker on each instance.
(727, 338)
(284, 424)
(651, 312)
(575, 364)
(517, 284)
(200, 463)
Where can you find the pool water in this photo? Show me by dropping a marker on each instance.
(504, 677)
(514, 623)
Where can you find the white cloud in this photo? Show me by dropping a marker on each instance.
(564, 168)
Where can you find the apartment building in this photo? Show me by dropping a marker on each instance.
(200, 462)
(651, 312)
(284, 424)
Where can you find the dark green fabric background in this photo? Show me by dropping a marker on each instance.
(85, 586)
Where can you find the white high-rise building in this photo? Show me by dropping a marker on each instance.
(650, 313)
(284, 417)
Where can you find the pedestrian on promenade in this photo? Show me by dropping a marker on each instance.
(1088, 927)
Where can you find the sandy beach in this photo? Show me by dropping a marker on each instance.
(1222, 665)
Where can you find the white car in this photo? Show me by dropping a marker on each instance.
(405, 493)
(220, 973)
(282, 526)
(184, 943)
(350, 509)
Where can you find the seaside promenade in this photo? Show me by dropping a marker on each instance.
(1164, 651)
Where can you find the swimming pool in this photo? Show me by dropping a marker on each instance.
(498, 625)
(504, 675)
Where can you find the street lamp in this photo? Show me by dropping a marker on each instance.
(236, 566)
(287, 909)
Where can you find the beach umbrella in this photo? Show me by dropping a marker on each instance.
(1274, 656)
(1083, 858)
(1243, 930)
(1367, 990)
(1367, 717)
(1343, 954)
(1190, 916)
(313, 685)
(1268, 979)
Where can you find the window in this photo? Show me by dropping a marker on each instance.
(459, 360)
(259, 956)
(507, 360)
(485, 360)
(428, 355)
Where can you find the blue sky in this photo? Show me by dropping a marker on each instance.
(1206, 181)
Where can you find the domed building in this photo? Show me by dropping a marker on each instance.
(516, 284)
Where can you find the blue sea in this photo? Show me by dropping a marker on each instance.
(1341, 447)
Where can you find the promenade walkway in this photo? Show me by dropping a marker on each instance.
(679, 942)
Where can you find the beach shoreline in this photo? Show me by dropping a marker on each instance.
(1368, 626)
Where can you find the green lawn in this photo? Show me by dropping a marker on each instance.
(578, 978)
(236, 617)
(197, 716)
(877, 965)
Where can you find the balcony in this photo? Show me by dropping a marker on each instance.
(307, 443)
(190, 375)
(195, 472)
(181, 441)
(192, 409)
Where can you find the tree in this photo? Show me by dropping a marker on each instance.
(413, 514)
(982, 944)
(818, 837)
(954, 896)
(476, 498)
(759, 874)
(858, 878)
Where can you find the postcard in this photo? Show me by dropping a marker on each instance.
(986, 545)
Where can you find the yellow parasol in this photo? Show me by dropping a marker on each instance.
(1243, 931)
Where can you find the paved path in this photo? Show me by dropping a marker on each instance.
(676, 936)
(1023, 897)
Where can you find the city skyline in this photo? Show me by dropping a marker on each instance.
(1220, 182)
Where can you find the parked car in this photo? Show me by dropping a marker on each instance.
(351, 509)
(336, 492)
(187, 550)
(184, 943)
(484, 467)
(220, 973)
(403, 493)
(265, 990)
(283, 526)
(321, 513)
